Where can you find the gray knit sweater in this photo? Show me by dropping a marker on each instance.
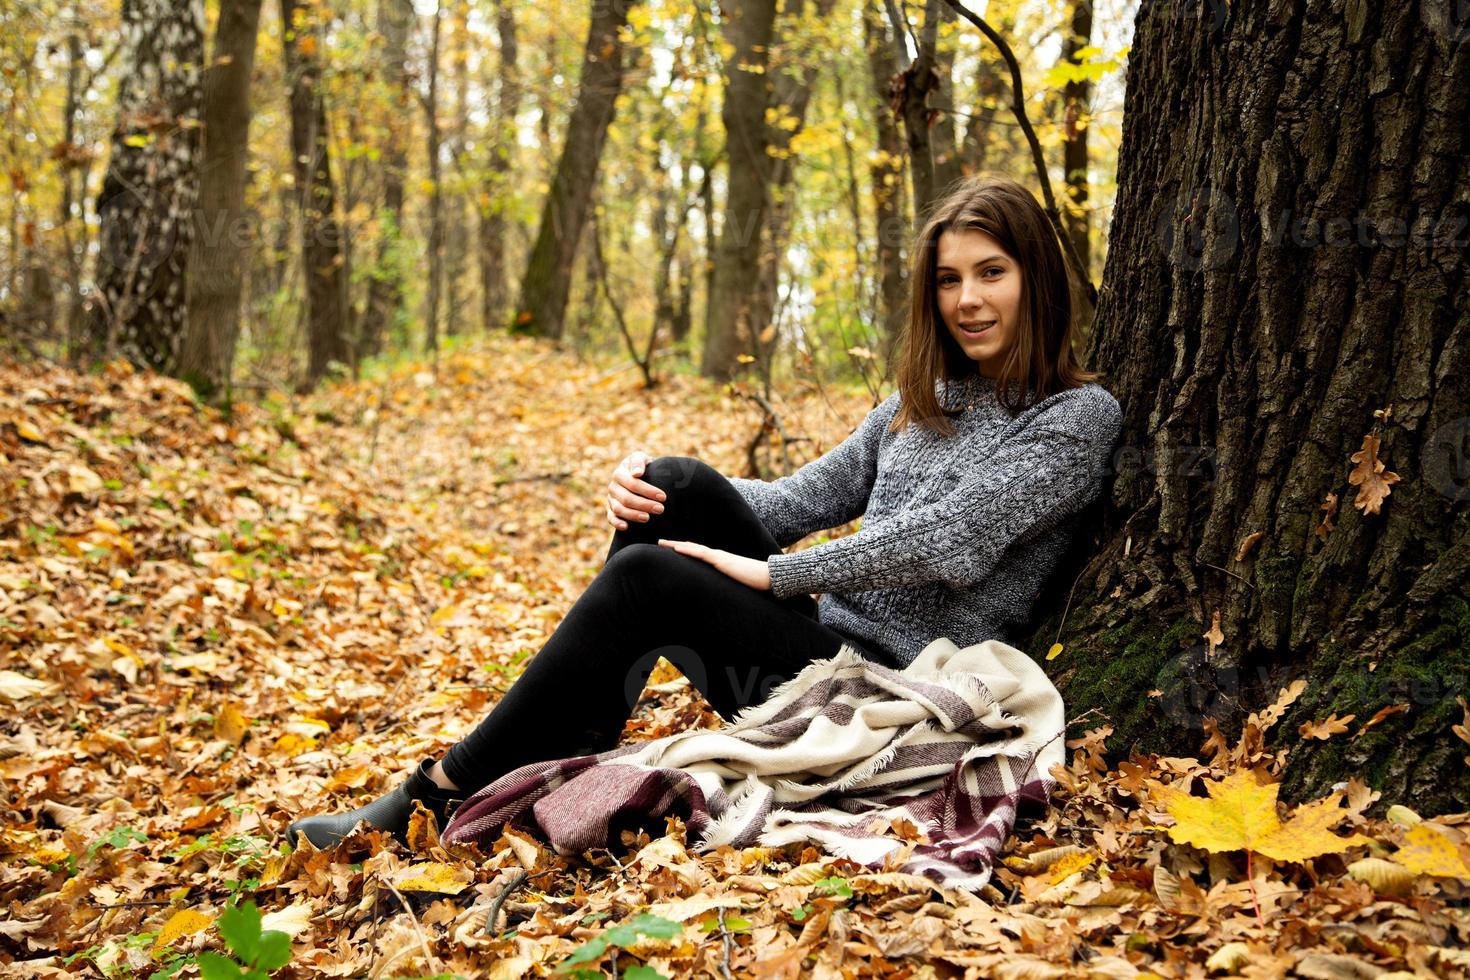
(958, 533)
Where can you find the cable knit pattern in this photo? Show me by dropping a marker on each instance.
(958, 533)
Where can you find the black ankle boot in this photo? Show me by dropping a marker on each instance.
(390, 812)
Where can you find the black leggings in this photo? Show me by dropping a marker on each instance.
(734, 643)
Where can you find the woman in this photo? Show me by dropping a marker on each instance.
(969, 480)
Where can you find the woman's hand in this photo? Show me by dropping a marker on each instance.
(628, 497)
(753, 572)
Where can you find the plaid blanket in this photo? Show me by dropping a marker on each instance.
(957, 743)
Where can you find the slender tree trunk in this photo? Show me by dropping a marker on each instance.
(541, 309)
(147, 199)
(1272, 287)
(496, 191)
(456, 234)
(791, 93)
(321, 235)
(933, 160)
(750, 31)
(752, 233)
(220, 251)
(436, 193)
(1076, 96)
(385, 288)
(72, 164)
(885, 174)
(943, 138)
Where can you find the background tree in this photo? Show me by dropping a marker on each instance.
(385, 286)
(544, 287)
(432, 148)
(1076, 95)
(1284, 322)
(495, 192)
(316, 197)
(219, 249)
(885, 174)
(925, 97)
(147, 199)
(750, 31)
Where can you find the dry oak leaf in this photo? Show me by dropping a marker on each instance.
(1329, 509)
(1369, 476)
(1326, 728)
(1213, 637)
(1240, 814)
(1379, 715)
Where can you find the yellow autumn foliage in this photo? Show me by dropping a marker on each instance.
(1241, 814)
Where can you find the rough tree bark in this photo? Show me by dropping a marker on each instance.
(316, 199)
(220, 249)
(385, 290)
(541, 309)
(1269, 292)
(146, 203)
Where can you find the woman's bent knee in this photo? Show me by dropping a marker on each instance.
(681, 475)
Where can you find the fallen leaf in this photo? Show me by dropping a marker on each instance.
(1369, 476)
(1240, 814)
(184, 922)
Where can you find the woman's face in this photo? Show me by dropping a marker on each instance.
(979, 287)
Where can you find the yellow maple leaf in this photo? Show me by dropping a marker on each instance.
(434, 876)
(1240, 814)
(184, 922)
(1429, 851)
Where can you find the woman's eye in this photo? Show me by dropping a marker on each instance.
(994, 268)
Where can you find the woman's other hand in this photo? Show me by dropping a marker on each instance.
(753, 572)
(630, 498)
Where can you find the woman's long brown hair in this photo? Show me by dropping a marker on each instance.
(1041, 361)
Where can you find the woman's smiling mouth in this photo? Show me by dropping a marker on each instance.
(978, 328)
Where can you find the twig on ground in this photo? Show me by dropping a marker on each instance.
(423, 940)
(515, 882)
(726, 940)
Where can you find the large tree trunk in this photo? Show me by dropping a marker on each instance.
(885, 173)
(544, 288)
(496, 193)
(385, 290)
(1269, 292)
(321, 235)
(1076, 96)
(146, 204)
(217, 263)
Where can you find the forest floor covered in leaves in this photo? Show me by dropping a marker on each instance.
(211, 625)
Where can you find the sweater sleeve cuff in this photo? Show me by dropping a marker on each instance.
(791, 574)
